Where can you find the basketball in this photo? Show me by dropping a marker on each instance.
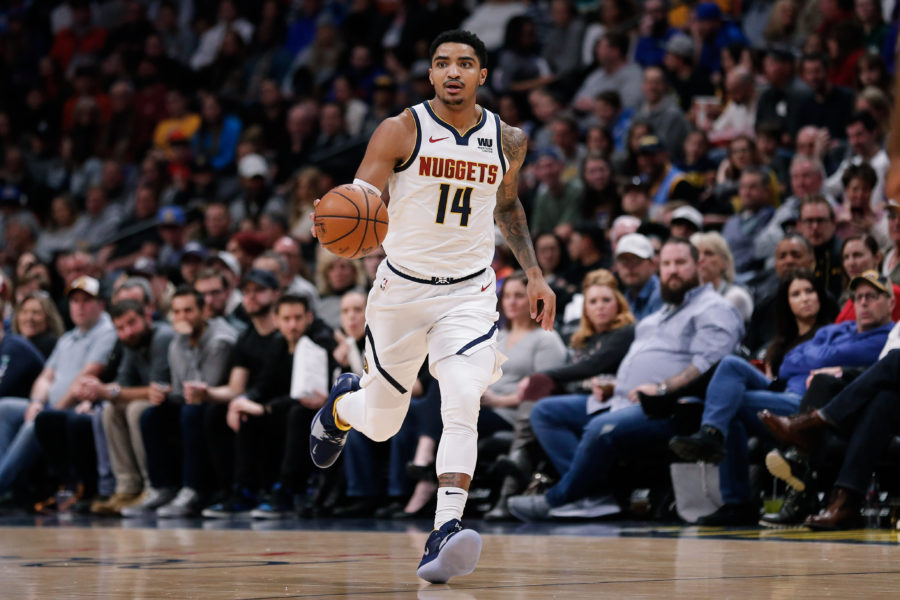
(351, 221)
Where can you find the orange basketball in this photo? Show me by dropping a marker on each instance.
(351, 221)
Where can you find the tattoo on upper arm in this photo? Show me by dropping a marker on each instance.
(509, 214)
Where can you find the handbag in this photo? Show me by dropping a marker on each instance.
(696, 487)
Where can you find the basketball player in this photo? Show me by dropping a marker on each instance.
(451, 168)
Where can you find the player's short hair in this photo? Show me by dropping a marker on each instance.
(460, 36)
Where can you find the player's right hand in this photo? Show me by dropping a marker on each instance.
(312, 217)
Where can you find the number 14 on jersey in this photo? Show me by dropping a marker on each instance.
(461, 204)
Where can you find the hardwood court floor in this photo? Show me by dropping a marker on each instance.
(117, 562)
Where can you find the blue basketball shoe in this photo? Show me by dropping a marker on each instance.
(326, 437)
(450, 551)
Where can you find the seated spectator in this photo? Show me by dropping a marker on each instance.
(792, 253)
(601, 203)
(738, 391)
(198, 353)
(742, 154)
(587, 249)
(334, 277)
(20, 364)
(527, 348)
(556, 202)
(687, 80)
(856, 215)
(655, 167)
(816, 222)
(695, 328)
(739, 114)
(520, 66)
(256, 197)
(714, 32)
(37, 320)
(604, 334)
(864, 147)
(550, 251)
(217, 136)
(717, 267)
(637, 271)
(271, 427)
(826, 105)
(661, 111)
(860, 254)
(179, 122)
(144, 348)
(863, 414)
(60, 233)
(612, 71)
(80, 351)
(685, 221)
(741, 229)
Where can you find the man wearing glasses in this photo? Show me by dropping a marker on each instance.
(816, 223)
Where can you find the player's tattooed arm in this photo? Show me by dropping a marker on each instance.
(509, 214)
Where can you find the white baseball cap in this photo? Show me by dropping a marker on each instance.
(253, 165)
(689, 214)
(86, 284)
(635, 243)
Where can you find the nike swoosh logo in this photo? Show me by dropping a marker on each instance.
(484, 287)
(432, 140)
(454, 493)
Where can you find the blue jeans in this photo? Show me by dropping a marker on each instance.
(106, 481)
(18, 445)
(585, 448)
(738, 391)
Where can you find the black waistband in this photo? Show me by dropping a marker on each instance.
(435, 280)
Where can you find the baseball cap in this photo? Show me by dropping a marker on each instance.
(637, 183)
(650, 144)
(680, 45)
(879, 282)
(226, 258)
(170, 216)
(262, 278)
(635, 243)
(86, 284)
(708, 11)
(689, 214)
(253, 165)
(194, 249)
(143, 267)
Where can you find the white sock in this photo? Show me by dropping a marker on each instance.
(451, 501)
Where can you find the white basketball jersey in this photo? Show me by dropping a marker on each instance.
(442, 197)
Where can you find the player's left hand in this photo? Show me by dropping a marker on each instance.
(538, 289)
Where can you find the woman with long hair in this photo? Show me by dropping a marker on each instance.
(604, 334)
(37, 319)
(601, 202)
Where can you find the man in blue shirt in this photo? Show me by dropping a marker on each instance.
(738, 391)
(634, 265)
(20, 364)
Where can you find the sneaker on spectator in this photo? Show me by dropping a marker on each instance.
(185, 504)
(153, 499)
(587, 508)
(529, 508)
(115, 503)
(278, 504)
(239, 505)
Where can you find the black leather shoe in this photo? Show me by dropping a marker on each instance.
(360, 507)
(796, 507)
(707, 445)
(731, 515)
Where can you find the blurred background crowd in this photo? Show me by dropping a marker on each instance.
(159, 161)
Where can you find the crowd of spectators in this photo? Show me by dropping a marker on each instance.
(705, 185)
